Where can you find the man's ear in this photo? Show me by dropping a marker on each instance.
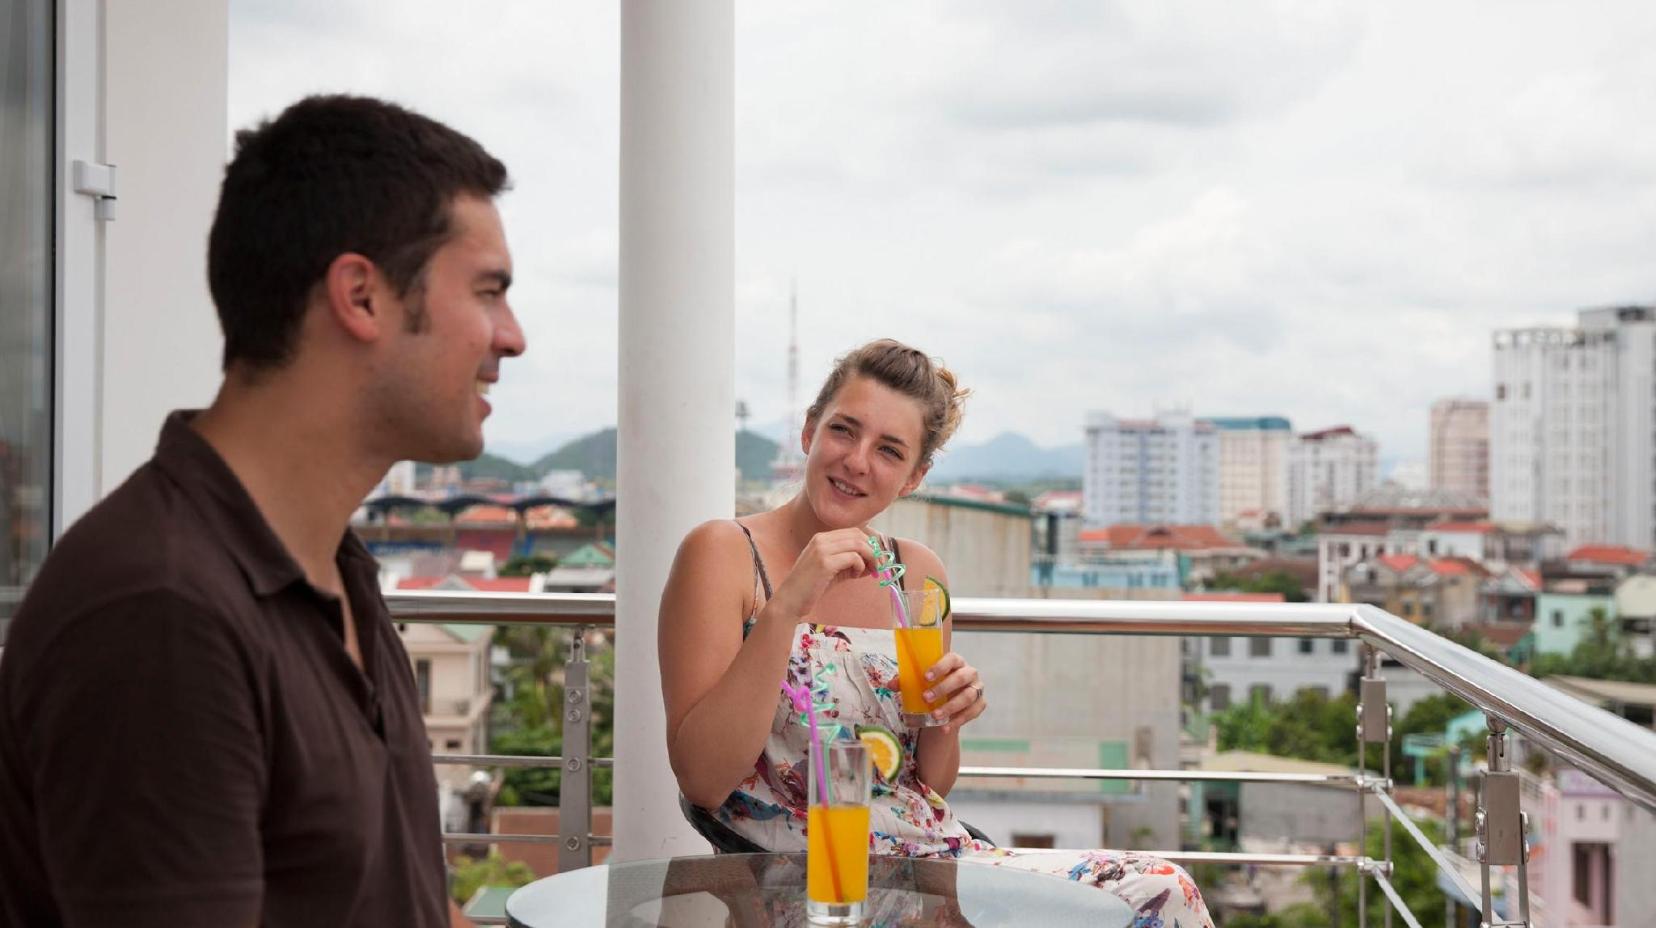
(913, 483)
(355, 296)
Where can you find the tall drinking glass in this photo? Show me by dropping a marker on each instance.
(836, 835)
(919, 646)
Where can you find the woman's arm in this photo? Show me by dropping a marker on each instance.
(721, 691)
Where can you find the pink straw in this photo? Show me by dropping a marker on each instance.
(891, 577)
(801, 697)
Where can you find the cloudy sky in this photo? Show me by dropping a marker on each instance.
(1313, 209)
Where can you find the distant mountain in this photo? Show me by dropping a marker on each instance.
(486, 465)
(528, 450)
(1008, 455)
(594, 456)
(754, 454)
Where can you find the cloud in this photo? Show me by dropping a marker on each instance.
(1315, 209)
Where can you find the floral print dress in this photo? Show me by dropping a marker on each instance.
(854, 671)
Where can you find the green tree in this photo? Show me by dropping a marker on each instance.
(1428, 716)
(1414, 876)
(524, 566)
(1601, 654)
(1309, 726)
(532, 722)
(473, 874)
(1274, 582)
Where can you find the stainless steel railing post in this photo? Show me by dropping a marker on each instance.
(575, 785)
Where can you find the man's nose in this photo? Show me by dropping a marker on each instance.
(509, 341)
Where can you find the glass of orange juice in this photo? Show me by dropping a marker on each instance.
(836, 835)
(919, 646)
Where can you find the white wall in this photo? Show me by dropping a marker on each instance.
(143, 337)
(1285, 670)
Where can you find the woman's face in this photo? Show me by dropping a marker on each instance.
(862, 453)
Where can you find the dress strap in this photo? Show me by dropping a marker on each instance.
(896, 555)
(761, 580)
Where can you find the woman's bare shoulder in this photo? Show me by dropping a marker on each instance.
(920, 560)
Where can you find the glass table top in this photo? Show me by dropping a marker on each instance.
(757, 890)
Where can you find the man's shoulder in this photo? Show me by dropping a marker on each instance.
(145, 533)
(144, 541)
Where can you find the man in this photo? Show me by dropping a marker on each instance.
(206, 716)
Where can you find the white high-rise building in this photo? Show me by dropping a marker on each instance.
(1573, 427)
(1150, 472)
(1253, 467)
(398, 481)
(1329, 469)
(1459, 447)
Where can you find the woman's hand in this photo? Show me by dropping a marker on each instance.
(958, 682)
(828, 558)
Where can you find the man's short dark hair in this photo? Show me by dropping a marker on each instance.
(331, 175)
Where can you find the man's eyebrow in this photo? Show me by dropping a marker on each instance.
(503, 278)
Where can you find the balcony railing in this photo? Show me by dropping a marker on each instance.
(1610, 749)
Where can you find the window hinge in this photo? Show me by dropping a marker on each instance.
(98, 182)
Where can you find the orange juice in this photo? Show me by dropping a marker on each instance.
(838, 834)
(917, 650)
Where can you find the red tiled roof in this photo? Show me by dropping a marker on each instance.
(1502, 634)
(1398, 563)
(1330, 432)
(1449, 567)
(1233, 598)
(1160, 537)
(1463, 528)
(481, 585)
(1355, 528)
(495, 541)
(483, 514)
(1609, 554)
(1532, 577)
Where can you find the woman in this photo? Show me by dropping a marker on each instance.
(791, 593)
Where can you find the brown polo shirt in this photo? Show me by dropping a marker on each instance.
(184, 740)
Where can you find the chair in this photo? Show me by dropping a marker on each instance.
(726, 841)
(717, 833)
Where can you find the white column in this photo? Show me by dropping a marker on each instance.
(676, 460)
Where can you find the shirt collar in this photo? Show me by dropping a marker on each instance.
(209, 483)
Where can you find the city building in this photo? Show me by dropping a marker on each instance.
(1329, 470)
(1161, 471)
(1458, 447)
(987, 546)
(451, 670)
(1387, 520)
(398, 481)
(1606, 560)
(1236, 670)
(1573, 426)
(1509, 596)
(1636, 614)
(1253, 470)
(1591, 863)
(1441, 592)
(1495, 544)
(1564, 611)
(1201, 552)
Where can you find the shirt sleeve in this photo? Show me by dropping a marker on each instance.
(146, 751)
